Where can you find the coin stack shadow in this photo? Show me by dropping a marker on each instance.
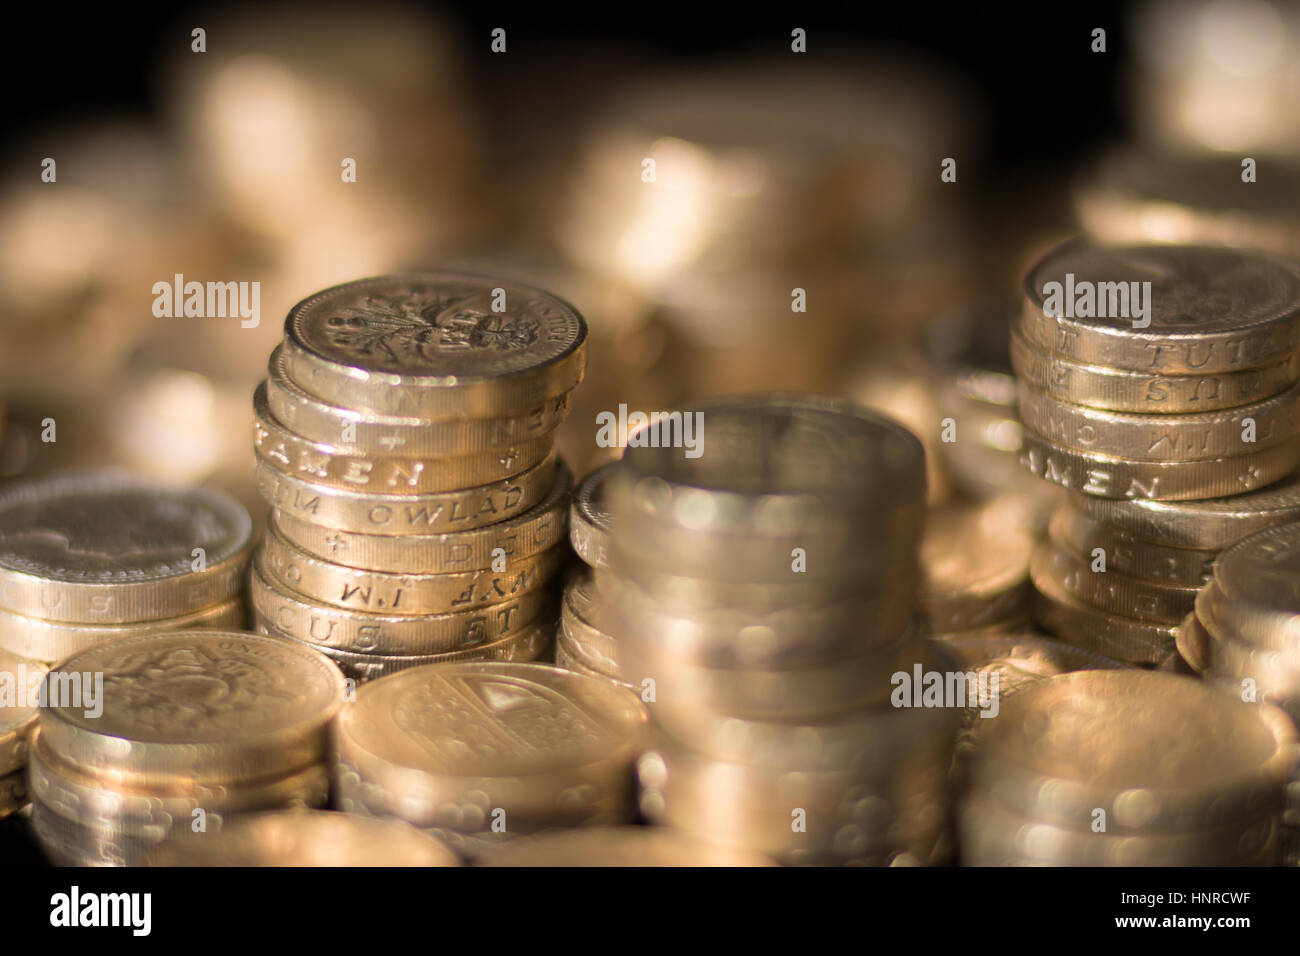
(418, 507)
(189, 730)
(1126, 768)
(94, 556)
(1243, 637)
(762, 598)
(583, 642)
(1194, 400)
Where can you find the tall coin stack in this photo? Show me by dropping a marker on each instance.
(1127, 768)
(583, 642)
(89, 557)
(484, 753)
(1245, 636)
(1160, 373)
(761, 592)
(184, 731)
(406, 442)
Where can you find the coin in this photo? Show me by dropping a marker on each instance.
(1211, 524)
(1021, 660)
(20, 682)
(1149, 393)
(1118, 593)
(450, 511)
(1193, 644)
(305, 838)
(437, 345)
(338, 466)
(1257, 589)
(589, 524)
(1108, 477)
(211, 706)
(383, 592)
(1211, 309)
(619, 846)
(1156, 752)
(572, 656)
(1145, 437)
(40, 640)
(526, 534)
(362, 632)
(402, 435)
(13, 793)
(103, 548)
(1083, 538)
(976, 569)
(590, 641)
(450, 743)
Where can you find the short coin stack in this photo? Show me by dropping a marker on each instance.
(20, 683)
(763, 601)
(1127, 768)
(1245, 635)
(180, 730)
(483, 753)
(583, 643)
(90, 557)
(1160, 373)
(405, 441)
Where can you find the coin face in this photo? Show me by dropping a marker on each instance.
(458, 328)
(100, 547)
(1262, 572)
(490, 720)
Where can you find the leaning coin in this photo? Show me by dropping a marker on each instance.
(976, 569)
(1187, 437)
(1258, 588)
(1206, 310)
(437, 345)
(1193, 644)
(589, 518)
(533, 531)
(104, 548)
(1109, 477)
(1269, 675)
(363, 632)
(1118, 593)
(370, 433)
(386, 593)
(1089, 540)
(42, 641)
(305, 838)
(210, 706)
(1148, 393)
(619, 846)
(20, 695)
(340, 466)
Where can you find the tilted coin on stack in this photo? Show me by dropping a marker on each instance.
(1245, 635)
(405, 440)
(482, 753)
(90, 557)
(304, 838)
(761, 595)
(1127, 768)
(20, 684)
(186, 730)
(1152, 379)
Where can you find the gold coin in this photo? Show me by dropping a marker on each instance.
(573, 657)
(589, 521)
(619, 846)
(305, 838)
(13, 793)
(208, 706)
(1083, 537)
(1258, 589)
(102, 548)
(975, 567)
(1118, 593)
(1193, 644)
(20, 684)
(526, 534)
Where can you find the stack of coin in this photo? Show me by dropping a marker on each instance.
(761, 593)
(483, 753)
(20, 682)
(405, 441)
(1245, 635)
(90, 557)
(1127, 768)
(1150, 374)
(304, 838)
(147, 734)
(1118, 576)
(583, 642)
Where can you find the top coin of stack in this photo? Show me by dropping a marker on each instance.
(405, 440)
(90, 557)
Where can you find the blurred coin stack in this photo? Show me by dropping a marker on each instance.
(405, 441)
(20, 683)
(761, 594)
(90, 557)
(479, 754)
(1149, 374)
(143, 735)
(583, 642)
(1127, 768)
(1245, 636)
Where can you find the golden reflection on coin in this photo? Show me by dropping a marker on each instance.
(619, 846)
